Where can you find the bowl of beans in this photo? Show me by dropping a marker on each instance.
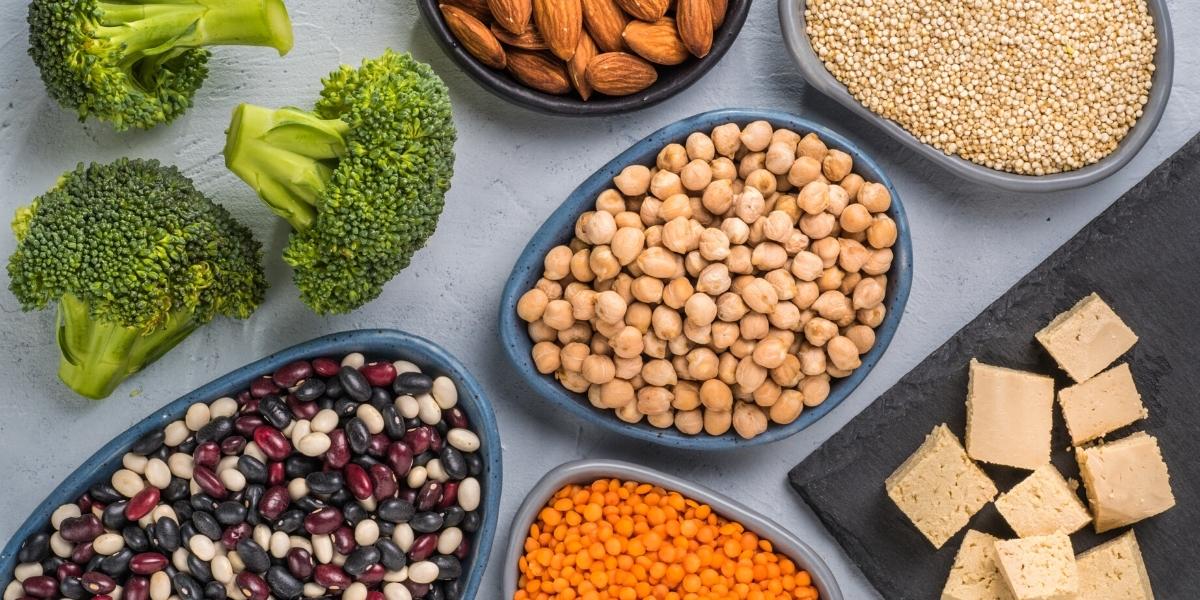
(1052, 97)
(363, 465)
(603, 528)
(726, 281)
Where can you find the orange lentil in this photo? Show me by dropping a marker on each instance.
(624, 540)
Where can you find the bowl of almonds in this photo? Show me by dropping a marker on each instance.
(585, 57)
(727, 281)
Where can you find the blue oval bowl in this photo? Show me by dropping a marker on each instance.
(376, 343)
(559, 228)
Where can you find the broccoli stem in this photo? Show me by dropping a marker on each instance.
(287, 155)
(162, 28)
(96, 356)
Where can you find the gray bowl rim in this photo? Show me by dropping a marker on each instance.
(500, 83)
(791, 22)
(559, 225)
(373, 342)
(588, 470)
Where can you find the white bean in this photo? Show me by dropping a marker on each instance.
(436, 471)
(180, 465)
(429, 412)
(222, 569)
(449, 540)
(297, 488)
(366, 533)
(134, 462)
(416, 477)
(252, 450)
(396, 591)
(322, 548)
(300, 428)
(60, 547)
(445, 392)
(128, 483)
(160, 586)
(469, 494)
(223, 407)
(202, 547)
(355, 591)
(226, 463)
(404, 536)
(325, 421)
(108, 544)
(463, 439)
(235, 561)
(15, 590)
(403, 366)
(26, 570)
(372, 418)
(394, 576)
(422, 572)
(354, 360)
(262, 535)
(175, 433)
(312, 590)
(163, 510)
(179, 559)
(233, 480)
(158, 474)
(197, 416)
(314, 444)
(280, 544)
(408, 407)
(62, 513)
(301, 542)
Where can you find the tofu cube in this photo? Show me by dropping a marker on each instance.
(939, 488)
(1102, 404)
(1039, 568)
(1087, 338)
(976, 574)
(1126, 481)
(1114, 570)
(1009, 416)
(1043, 504)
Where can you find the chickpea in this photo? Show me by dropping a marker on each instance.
(599, 346)
(754, 326)
(803, 171)
(727, 139)
(627, 244)
(756, 236)
(868, 294)
(702, 364)
(628, 368)
(827, 249)
(616, 393)
(740, 260)
(778, 226)
(679, 345)
(736, 230)
(838, 200)
(833, 305)
(558, 314)
(665, 184)
(603, 265)
(852, 255)
(532, 305)
(622, 285)
(677, 292)
(696, 175)
(678, 205)
(862, 336)
(648, 212)
(812, 147)
(552, 289)
(690, 422)
(749, 374)
(756, 136)
(795, 243)
(652, 400)
(768, 256)
(583, 305)
(787, 408)
(700, 147)
(812, 359)
(715, 395)
(760, 296)
(598, 369)
(767, 394)
(579, 332)
(718, 196)
(770, 353)
(830, 279)
(714, 244)
(807, 266)
(557, 263)
(836, 165)
(855, 218)
(659, 373)
(653, 238)
(872, 317)
(672, 158)
(875, 197)
(599, 228)
(610, 307)
(546, 357)
(646, 289)
(787, 374)
(653, 346)
(629, 413)
(764, 181)
(852, 183)
(657, 262)
(807, 292)
(843, 353)
(723, 334)
(814, 197)
(581, 268)
(700, 334)
(662, 420)
(785, 316)
(611, 202)
(628, 219)
(572, 381)
(748, 206)
(818, 226)
(686, 396)
(783, 282)
(879, 263)
(727, 367)
(539, 331)
(780, 157)
(717, 422)
(730, 307)
(638, 316)
(633, 180)
(849, 282)
(627, 343)
(723, 169)
(882, 232)
(749, 421)
(819, 330)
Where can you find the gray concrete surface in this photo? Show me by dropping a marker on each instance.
(513, 168)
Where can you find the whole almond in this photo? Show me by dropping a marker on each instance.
(605, 21)
(474, 36)
(694, 18)
(646, 10)
(539, 71)
(619, 74)
(656, 42)
(478, 8)
(512, 15)
(577, 66)
(561, 23)
(530, 40)
(719, 8)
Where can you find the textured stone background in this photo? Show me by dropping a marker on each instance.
(514, 166)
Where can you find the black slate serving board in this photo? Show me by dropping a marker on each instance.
(1142, 256)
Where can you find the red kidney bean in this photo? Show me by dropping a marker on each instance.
(378, 445)
(331, 577)
(326, 367)
(276, 473)
(324, 520)
(207, 454)
(209, 483)
(358, 481)
(372, 574)
(263, 386)
(41, 586)
(417, 439)
(449, 494)
(302, 410)
(235, 533)
(456, 418)
(272, 442)
(417, 590)
(408, 495)
(338, 454)
(463, 550)
(243, 397)
(142, 503)
(82, 553)
(400, 457)
(423, 547)
(374, 595)
(251, 407)
(252, 586)
(147, 563)
(429, 496)
(343, 540)
(68, 569)
(379, 374)
(435, 440)
(136, 588)
(81, 529)
(292, 373)
(102, 597)
(233, 445)
(383, 480)
(300, 563)
(274, 501)
(246, 424)
(97, 582)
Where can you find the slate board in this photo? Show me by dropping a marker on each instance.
(1142, 256)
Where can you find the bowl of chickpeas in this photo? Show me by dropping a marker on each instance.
(724, 282)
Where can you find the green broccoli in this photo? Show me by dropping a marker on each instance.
(361, 178)
(137, 63)
(137, 259)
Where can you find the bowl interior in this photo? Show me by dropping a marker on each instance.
(559, 228)
(671, 79)
(375, 343)
(587, 471)
(792, 23)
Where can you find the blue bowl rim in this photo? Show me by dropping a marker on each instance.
(557, 228)
(387, 342)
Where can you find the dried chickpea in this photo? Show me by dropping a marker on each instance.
(718, 197)
(833, 305)
(852, 255)
(627, 343)
(581, 268)
(700, 334)
(749, 374)
(764, 181)
(867, 294)
(610, 307)
(599, 228)
(628, 368)
(807, 266)
(778, 226)
(843, 353)
(882, 232)
(723, 169)
(628, 219)
(804, 171)
(557, 263)
(598, 369)
(679, 345)
(849, 281)
(638, 316)
(552, 289)
(647, 289)
(648, 212)
(700, 309)
(770, 353)
(714, 244)
(862, 336)
(546, 357)
(879, 262)
(787, 374)
(716, 396)
(665, 184)
(726, 139)
(748, 420)
(659, 372)
(686, 395)
(813, 198)
(690, 422)
(653, 346)
(818, 226)
(629, 413)
(757, 135)
(787, 408)
(871, 317)
(678, 205)
(532, 305)
(807, 292)
(783, 282)
(666, 323)
(713, 280)
(603, 265)
(672, 158)
(677, 292)
(855, 218)
(760, 296)
(700, 147)
(780, 157)
(724, 334)
(749, 164)
(616, 393)
(736, 230)
(727, 368)
(633, 180)
(702, 364)
(768, 256)
(611, 202)
(838, 200)
(852, 183)
(748, 206)
(653, 400)
(766, 394)
(827, 249)
(812, 359)
(558, 314)
(696, 175)
(657, 262)
(819, 330)
(572, 381)
(627, 244)
(731, 307)
(539, 331)
(812, 146)
(875, 197)
(836, 165)
(717, 422)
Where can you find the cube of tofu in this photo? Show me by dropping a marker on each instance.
(1102, 404)
(1039, 568)
(1043, 504)
(1126, 481)
(939, 488)
(976, 574)
(1114, 570)
(1087, 338)
(1009, 416)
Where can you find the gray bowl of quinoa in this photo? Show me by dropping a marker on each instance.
(1086, 168)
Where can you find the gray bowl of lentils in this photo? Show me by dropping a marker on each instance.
(1054, 97)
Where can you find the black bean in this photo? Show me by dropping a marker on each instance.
(187, 587)
(442, 427)
(417, 590)
(334, 389)
(117, 565)
(148, 443)
(166, 535)
(453, 463)
(395, 510)
(113, 516)
(423, 458)
(412, 423)
(229, 513)
(449, 567)
(183, 510)
(93, 564)
(187, 530)
(170, 570)
(357, 435)
(426, 522)
(354, 513)
(254, 470)
(380, 398)
(393, 424)
(474, 463)
(354, 384)
(472, 522)
(253, 556)
(290, 521)
(187, 447)
(275, 411)
(204, 502)
(454, 589)
(325, 482)
(311, 389)
(435, 593)
(325, 403)
(105, 492)
(51, 564)
(208, 525)
(412, 384)
(345, 407)
(214, 590)
(298, 465)
(136, 538)
(386, 529)
(390, 554)
(453, 516)
(35, 548)
(175, 491)
(200, 569)
(358, 560)
(341, 497)
(308, 503)
(70, 587)
(365, 461)
(283, 585)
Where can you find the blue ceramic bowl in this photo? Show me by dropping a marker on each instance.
(375, 343)
(559, 229)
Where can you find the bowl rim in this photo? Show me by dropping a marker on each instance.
(516, 343)
(501, 84)
(792, 24)
(587, 470)
(401, 345)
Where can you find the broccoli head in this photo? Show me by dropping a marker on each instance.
(137, 63)
(136, 259)
(361, 178)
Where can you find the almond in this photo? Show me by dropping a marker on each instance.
(577, 66)
(656, 42)
(512, 15)
(695, 25)
(605, 22)
(530, 40)
(474, 36)
(646, 10)
(539, 71)
(478, 8)
(719, 8)
(619, 74)
(561, 23)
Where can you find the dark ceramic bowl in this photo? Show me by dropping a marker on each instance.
(671, 80)
(380, 343)
(559, 228)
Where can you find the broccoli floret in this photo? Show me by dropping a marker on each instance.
(361, 178)
(137, 63)
(136, 259)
